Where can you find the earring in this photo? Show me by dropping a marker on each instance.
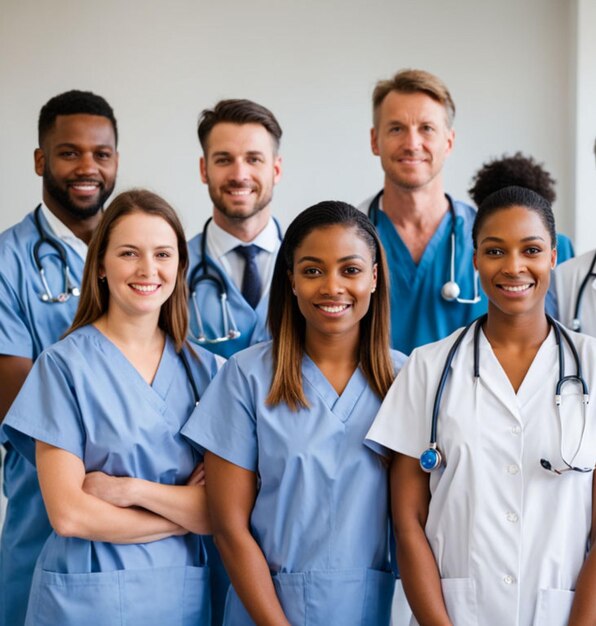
(294, 291)
(102, 279)
(373, 289)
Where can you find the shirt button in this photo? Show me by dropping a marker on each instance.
(513, 469)
(512, 517)
(516, 430)
(508, 580)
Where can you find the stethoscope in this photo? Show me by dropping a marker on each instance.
(432, 458)
(576, 322)
(191, 380)
(450, 291)
(202, 274)
(69, 288)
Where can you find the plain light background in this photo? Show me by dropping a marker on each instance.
(523, 76)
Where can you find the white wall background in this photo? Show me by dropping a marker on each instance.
(512, 67)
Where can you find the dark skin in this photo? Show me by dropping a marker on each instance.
(78, 156)
(514, 258)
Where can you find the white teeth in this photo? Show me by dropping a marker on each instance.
(333, 309)
(243, 192)
(515, 287)
(145, 288)
(87, 187)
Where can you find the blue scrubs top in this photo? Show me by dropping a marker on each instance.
(565, 252)
(85, 397)
(252, 323)
(321, 512)
(27, 326)
(419, 314)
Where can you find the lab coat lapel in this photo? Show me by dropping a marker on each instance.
(341, 406)
(539, 376)
(494, 380)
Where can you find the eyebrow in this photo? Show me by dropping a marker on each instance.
(343, 259)
(227, 153)
(524, 240)
(132, 245)
(68, 144)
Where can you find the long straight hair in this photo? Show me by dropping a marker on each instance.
(95, 294)
(287, 324)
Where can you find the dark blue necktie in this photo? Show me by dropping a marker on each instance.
(251, 281)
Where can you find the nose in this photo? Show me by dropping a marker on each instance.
(513, 264)
(146, 266)
(332, 284)
(86, 164)
(412, 139)
(239, 170)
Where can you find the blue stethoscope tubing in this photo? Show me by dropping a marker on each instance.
(576, 322)
(70, 289)
(450, 290)
(209, 272)
(432, 457)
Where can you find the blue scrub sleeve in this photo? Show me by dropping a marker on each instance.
(15, 335)
(45, 409)
(224, 422)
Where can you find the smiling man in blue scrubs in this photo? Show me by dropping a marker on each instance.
(77, 161)
(426, 234)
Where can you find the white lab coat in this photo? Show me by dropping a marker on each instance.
(509, 537)
(568, 278)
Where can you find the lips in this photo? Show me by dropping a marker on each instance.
(516, 288)
(332, 309)
(85, 187)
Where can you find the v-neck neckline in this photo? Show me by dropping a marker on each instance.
(161, 380)
(341, 405)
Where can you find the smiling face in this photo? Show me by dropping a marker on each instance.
(514, 260)
(412, 139)
(333, 277)
(240, 168)
(78, 162)
(140, 265)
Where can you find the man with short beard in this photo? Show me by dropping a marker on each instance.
(236, 252)
(41, 266)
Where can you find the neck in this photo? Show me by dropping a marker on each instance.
(421, 207)
(140, 332)
(81, 228)
(525, 330)
(340, 350)
(247, 229)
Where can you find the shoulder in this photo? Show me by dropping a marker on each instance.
(16, 238)
(208, 360)
(578, 265)
(465, 211)
(253, 359)
(64, 351)
(398, 359)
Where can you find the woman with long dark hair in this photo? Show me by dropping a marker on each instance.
(298, 504)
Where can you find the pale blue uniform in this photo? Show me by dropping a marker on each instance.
(419, 314)
(85, 397)
(321, 511)
(27, 326)
(252, 323)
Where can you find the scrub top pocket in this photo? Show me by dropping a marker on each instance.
(177, 596)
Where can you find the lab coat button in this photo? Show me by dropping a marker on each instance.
(513, 469)
(516, 430)
(508, 580)
(512, 517)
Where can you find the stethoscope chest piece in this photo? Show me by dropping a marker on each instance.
(450, 290)
(431, 459)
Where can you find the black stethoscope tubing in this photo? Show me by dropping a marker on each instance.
(431, 458)
(69, 288)
(191, 380)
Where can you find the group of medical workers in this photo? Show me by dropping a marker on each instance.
(405, 392)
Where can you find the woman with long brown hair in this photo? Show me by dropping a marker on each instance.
(122, 487)
(298, 504)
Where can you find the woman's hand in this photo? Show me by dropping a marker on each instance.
(112, 489)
